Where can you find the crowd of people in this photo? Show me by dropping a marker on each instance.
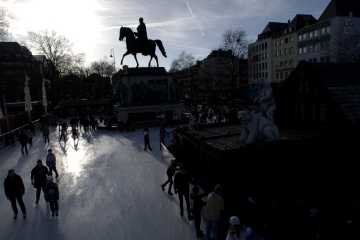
(213, 205)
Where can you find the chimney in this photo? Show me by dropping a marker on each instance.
(350, 14)
(289, 21)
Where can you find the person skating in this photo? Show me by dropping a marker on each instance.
(196, 206)
(46, 133)
(181, 185)
(170, 172)
(215, 203)
(23, 139)
(38, 178)
(237, 231)
(30, 136)
(51, 163)
(14, 190)
(74, 132)
(12, 138)
(62, 134)
(146, 138)
(51, 195)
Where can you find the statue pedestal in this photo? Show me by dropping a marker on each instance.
(141, 92)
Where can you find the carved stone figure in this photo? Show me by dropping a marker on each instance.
(259, 128)
(150, 93)
(135, 91)
(266, 99)
(142, 92)
(122, 93)
(174, 91)
(163, 92)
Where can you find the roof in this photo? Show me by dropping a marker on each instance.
(340, 8)
(342, 81)
(302, 20)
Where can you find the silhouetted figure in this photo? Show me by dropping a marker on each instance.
(142, 37)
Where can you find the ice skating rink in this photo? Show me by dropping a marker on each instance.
(109, 189)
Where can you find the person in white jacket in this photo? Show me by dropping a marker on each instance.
(237, 231)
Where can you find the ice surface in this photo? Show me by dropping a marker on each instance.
(109, 189)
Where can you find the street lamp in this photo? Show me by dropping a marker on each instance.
(112, 54)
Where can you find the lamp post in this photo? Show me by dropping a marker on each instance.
(112, 54)
(44, 91)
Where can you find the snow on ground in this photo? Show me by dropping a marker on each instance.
(109, 189)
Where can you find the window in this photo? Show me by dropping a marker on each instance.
(313, 111)
(322, 45)
(291, 50)
(311, 48)
(315, 47)
(322, 112)
(315, 33)
(281, 75)
(262, 46)
(328, 29)
(267, 55)
(302, 110)
(266, 45)
(311, 34)
(307, 87)
(277, 43)
(304, 49)
(304, 36)
(266, 75)
(277, 75)
(323, 31)
(266, 65)
(295, 110)
(263, 56)
(254, 76)
(281, 52)
(281, 64)
(254, 48)
(286, 51)
(300, 38)
(300, 51)
(262, 75)
(291, 62)
(281, 41)
(277, 64)
(286, 75)
(286, 40)
(254, 67)
(257, 48)
(286, 63)
(301, 87)
(262, 66)
(277, 53)
(291, 39)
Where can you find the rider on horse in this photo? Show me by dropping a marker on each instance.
(142, 41)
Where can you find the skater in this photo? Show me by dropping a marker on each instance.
(181, 185)
(30, 136)
(162, 135)
(51, 195)
(146, 138)
(170, 172)
(23, 139)
(237, 231)
(12, 138)
(64, 125)
(196, 206)
(74, 132)
(38, 178)
(51, 163)
(63, 132)
(14, 190)
(46, 133)
(215, 203)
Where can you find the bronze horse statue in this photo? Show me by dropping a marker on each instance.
(127, 33)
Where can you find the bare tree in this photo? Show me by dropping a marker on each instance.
(5, 16)
(344, 48)
(102, 67)
(58, 49)
(225, 71)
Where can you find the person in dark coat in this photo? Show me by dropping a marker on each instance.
(170, 172)
(51, 194)
(146, 138)
(196, 207)
(23, 139)
(181, 185)
(14, 190)
(38, 178)
(12, 138)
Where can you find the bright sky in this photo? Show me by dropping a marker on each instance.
(192, 26)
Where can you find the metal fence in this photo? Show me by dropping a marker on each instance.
(5, 139)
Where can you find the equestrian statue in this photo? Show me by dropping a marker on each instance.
(140, 44)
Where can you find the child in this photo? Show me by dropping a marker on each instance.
(51, 194)
(196, 207)
(30, 136)
(237, 231)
